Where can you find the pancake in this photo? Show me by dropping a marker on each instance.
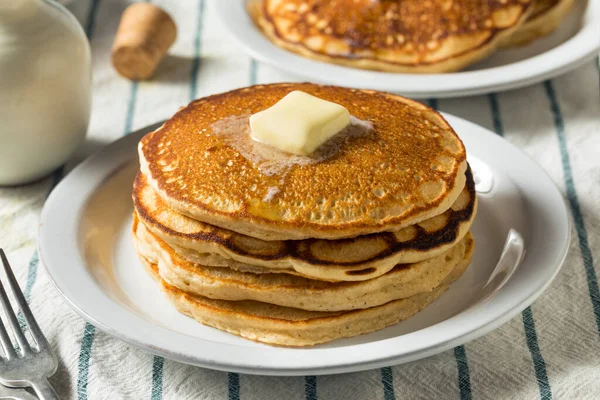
(546, 16)
(409, 36)
(360, 258)
(403, 281)
(398, 163)
(287, 326)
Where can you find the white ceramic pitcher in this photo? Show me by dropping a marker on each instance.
(45, 88)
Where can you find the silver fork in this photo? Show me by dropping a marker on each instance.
(32, 365)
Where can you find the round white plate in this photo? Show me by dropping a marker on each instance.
(85, 244)
(575, 42)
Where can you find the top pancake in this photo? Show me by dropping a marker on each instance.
(396, 36)
(405, 166)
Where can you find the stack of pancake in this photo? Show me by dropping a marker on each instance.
(412, 36)
(294, 250)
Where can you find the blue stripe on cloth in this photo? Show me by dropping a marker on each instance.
(539, 364)
(57, 176)
(130, 108)
(387, 379)
(496, 118)
(85, 354)
(31, 275)
(197, 51)
(433, 103)
(582, 236)
(233, 386)
(253, 75)
(310, 387)
(91, 18)
(464, 377)
(157, 378)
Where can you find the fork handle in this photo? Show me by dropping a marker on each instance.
(44, 390)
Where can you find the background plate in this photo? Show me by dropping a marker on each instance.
(576, 41)
(85, 244)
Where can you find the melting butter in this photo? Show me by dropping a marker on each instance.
(299, 123)
(236, 132)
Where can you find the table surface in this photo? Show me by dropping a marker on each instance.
(551, 350)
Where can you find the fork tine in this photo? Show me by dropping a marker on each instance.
(32, 324)
(8, 310)
(7, 346)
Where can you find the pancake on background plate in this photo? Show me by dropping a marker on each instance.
(546, 16)
(360, 233)
(411, 36)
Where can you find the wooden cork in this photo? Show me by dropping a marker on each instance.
(145, 34)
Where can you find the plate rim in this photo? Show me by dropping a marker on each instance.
(232, 361)
(571, 54)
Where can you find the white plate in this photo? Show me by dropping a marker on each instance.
(84, 242)
(575, 42)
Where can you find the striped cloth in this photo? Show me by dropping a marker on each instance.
(551, 350)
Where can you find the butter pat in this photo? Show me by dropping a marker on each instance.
(299, 123)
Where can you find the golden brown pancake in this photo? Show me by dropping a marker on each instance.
(398, 164)
(405, 280)
(413, 36)
(356, 259)
(546, 16)
(287, 326)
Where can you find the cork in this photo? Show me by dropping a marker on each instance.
(145, 34)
